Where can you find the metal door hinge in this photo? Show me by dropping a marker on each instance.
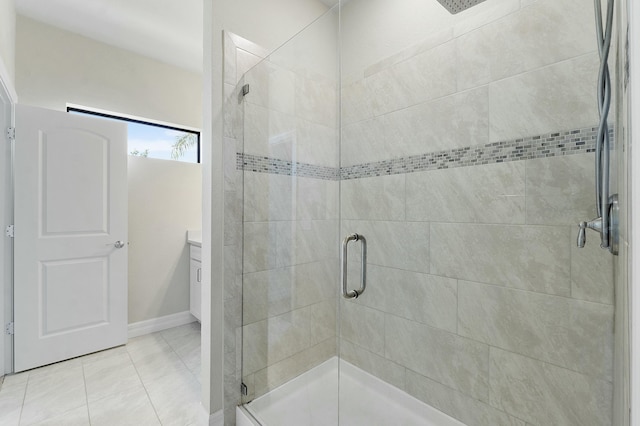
(8, 329)
(9, 231)
(245, 90)
(243, 389)
(11, 133)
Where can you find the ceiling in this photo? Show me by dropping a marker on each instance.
(167, 30)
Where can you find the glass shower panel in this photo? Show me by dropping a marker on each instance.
(467, 162)
(290, 216)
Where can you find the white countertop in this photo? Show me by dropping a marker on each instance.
(194, 237)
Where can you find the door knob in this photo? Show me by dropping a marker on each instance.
(118, 244)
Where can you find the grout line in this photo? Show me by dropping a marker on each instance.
(86, 394)
(144, 386)
(24, 397)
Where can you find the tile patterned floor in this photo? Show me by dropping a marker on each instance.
(153, 380)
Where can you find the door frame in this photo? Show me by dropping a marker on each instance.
(8, 99)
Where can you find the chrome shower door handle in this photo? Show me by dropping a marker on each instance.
(353, 294)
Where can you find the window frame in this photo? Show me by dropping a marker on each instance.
(139, 120)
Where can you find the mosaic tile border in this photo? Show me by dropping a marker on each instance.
(570, 142)
(261, 164)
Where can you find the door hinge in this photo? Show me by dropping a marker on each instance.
(9, 231)
(11, 133)
(245, 90)
(243, 389)
(8, 329)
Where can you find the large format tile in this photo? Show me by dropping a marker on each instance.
(526, 257)
(428, 75)
(544, 34)
(287, 334)
(492, 193)
(401, 245)
(543, 394)
(285, 370)
(560, 190)
(306, 241)
(107, 379)
(128, 407)
(316, 100)
(457, 404)
(50, 395)
(316, 199)
(274, 292)
(364, 142)
(592, 276)
(357, 102)
(377, 365)
(176, 400)
(363, 326)
(374, 198)
(260, 247)
(75, 417)
(455, 361)
(11, 400)
(316, 143)
(268, 197)
(454, 121)
(557, 97)
(424, 298)
(569, 333)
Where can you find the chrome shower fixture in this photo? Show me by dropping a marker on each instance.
(457, 6)
(606, 224)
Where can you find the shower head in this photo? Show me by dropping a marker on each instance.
(456, 6)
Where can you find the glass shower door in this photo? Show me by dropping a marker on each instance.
(290, 229)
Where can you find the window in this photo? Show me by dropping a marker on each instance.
(154, 140)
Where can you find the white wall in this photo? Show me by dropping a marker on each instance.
(8, 36)
(54, 67)
(165, 199)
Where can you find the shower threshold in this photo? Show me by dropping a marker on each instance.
(312, 399)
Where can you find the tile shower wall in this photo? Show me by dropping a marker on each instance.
(478, 301)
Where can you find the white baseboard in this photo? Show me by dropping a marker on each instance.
(161, 323)
(217, 418)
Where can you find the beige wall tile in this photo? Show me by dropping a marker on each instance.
(592, 270)
(526, 257)
(426, 76)
(560, 190)
(377, 365)
(427, 299)
(363, 326)
(544, 394)
(451, 122)
(557, 97)
(569, 333)
(493, 193)
(457, 404)
(401, 245)
(375, 198)
(455, 361)
(544, 34)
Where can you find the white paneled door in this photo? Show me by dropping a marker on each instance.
(70, 283)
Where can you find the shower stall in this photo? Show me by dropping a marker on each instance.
(403, 187)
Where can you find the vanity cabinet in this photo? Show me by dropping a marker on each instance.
(195, 281)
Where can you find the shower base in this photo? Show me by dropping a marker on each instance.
(312, 399)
